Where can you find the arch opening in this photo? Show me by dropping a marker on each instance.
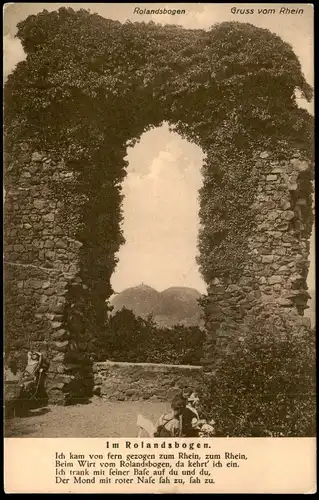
(157, 272)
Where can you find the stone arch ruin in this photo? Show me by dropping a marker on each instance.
(90, 87)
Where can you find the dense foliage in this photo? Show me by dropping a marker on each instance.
(91, 86)
(137, 340)
(267, 387)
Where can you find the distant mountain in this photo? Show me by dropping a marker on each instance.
(176, 305)
(142, 300)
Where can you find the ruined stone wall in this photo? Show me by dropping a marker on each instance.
(41, 264)
(50, 296)
(274, 279)
(117, 381)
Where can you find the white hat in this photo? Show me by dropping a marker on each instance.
(193, 397)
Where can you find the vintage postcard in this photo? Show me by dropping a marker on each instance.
(159, 260)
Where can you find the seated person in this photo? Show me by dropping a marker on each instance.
(32, 371)
(170, 424)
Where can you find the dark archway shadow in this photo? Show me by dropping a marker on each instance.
(79, 391)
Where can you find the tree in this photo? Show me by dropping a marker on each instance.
(134, 339)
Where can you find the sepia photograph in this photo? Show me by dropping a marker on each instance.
(159, 223)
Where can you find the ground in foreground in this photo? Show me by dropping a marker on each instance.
(100, 418)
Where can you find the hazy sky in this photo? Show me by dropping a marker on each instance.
(161, 213)
(161, 206)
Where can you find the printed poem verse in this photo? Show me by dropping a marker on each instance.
(160, 465)
(153, 467)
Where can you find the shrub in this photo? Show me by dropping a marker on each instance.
(266, 386)
(138, 340)
(179, 345)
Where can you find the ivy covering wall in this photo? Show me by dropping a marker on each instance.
(91, 86)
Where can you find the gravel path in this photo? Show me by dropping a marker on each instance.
(100, 418)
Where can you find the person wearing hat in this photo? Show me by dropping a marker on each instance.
(170, 424)
(190, 417)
